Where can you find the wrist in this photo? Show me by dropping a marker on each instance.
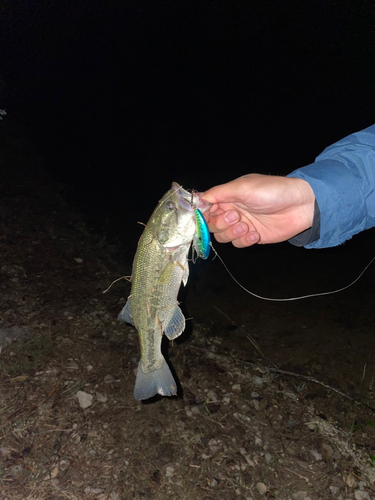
(306, 202)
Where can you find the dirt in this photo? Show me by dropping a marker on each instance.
(275, 400)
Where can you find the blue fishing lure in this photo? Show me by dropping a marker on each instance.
(202, 239)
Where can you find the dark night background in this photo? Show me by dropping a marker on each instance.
(123, 97)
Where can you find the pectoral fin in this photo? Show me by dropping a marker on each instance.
(185, 274)
(166, 274)
(176, 324)
(125, 314)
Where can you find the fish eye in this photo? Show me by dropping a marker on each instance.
(170, 205)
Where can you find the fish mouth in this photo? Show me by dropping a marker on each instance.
(190, 200)
(172, 249)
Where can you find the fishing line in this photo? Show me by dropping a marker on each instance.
(271, 299)
(320, 294)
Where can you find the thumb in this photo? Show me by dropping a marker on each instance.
(223, 193)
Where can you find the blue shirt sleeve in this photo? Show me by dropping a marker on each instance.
(343, 180)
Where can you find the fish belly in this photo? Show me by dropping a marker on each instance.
(154, 310)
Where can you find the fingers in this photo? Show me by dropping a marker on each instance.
(230, 218)
(228, 227)
(220, 221)
(244, 241)
(247, 240)
(232, 233)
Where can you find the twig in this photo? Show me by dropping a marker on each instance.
(54, 388)
(315, 381)
(127, 278)
(296, 473)
(273, 368)
(212, 420)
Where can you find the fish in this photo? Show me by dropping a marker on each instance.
(160, 266)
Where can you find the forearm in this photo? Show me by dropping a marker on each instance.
(343, 181)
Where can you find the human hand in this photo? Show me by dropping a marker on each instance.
(259, 208)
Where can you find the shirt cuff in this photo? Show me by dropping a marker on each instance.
(310, 235)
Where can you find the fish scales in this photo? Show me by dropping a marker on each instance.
(160, 265)
(151, 294)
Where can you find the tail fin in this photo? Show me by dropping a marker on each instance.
(157, 382)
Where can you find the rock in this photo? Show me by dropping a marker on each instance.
(169, 471)
(258, 442)
(108, 379)
(226, 399)
(54, 472)
(258, 382)
(236, 388)
(256, 404)
(214, 446)
(361, 495)
(292, 448)
(102, 398)
(261, 488)
(92, 491)
(73, 365)
(212, 396)
(189, 413)
(350, 481)
(84, 399)
(9, 335)
(317, 456)
(16, 470)
(5, 452)
(299, 495)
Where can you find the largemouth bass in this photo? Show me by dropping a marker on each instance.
(160, 265)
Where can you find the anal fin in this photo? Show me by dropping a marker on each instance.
(176, 324)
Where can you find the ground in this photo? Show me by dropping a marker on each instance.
(275, 400)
